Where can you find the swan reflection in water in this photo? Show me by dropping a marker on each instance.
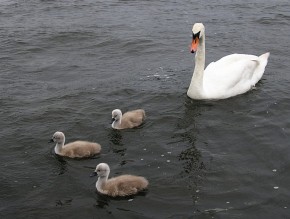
(191, 157)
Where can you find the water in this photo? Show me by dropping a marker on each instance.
(65, 65)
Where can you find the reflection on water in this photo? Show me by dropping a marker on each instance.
(61, 164)
(191, 157)
(115, 137)
(64, 202)
(103, 200)
(124, 162)
(117, 145)
(192, 160)
(66, 64)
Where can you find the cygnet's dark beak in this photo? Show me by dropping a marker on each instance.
(51, 140)
(93, 174)
(113, 120)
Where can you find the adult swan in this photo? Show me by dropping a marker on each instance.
(230, 76)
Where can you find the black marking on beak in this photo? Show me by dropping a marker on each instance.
(113, 120)
(197, 35)
(93, 174)
(51, 140)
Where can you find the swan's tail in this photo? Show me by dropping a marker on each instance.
(262, 60)
(264, 57)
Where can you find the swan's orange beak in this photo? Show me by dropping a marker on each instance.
(194, 44)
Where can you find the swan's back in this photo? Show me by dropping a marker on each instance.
(125, 185)
(233, 74)
(78, 149)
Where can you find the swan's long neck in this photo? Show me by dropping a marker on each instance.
(197, 77)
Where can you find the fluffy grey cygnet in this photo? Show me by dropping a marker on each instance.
(124, 185)
(127, 120)
(76, 149)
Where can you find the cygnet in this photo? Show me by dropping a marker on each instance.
(124, 185)
(76, 149)
(127, 120)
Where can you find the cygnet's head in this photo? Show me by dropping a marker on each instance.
(197, 34)
(116, 115)
(102, 170)
(58, 137)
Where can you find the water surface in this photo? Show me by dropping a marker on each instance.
(65, 65)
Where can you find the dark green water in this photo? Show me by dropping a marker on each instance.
(65, 65)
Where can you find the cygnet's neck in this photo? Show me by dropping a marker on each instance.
(58, 147)
(117, 123)
(101, 182)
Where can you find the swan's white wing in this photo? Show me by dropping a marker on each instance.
(230, 75)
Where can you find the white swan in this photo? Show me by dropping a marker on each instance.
(123, 185)
(127, 120)
(230, 76)
(76, 149)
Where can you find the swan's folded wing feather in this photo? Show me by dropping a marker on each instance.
(231, 74)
